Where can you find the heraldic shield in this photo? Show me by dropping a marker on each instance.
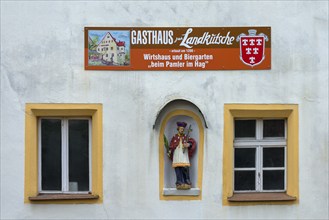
(252, 47)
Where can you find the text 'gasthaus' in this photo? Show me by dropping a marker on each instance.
(152, 37)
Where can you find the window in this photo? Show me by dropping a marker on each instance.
(63, 160)
(260, 154)
(64, 149)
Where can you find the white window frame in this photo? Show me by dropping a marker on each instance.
(65, 156)
(259, 143)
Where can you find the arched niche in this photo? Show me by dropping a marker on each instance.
(178, 104)
(165, 124)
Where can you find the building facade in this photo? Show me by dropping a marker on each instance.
(111, 50)
(262, 135)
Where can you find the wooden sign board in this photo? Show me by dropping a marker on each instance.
(176, 48)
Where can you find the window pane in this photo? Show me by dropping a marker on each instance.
(244, 180)
(244, 157)
(273, 157)
(78, 155)
(51, 154)
(273, 179)
(245, 128)
(273, 128)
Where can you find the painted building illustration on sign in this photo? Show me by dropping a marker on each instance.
(108, 48)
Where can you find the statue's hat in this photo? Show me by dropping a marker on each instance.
(181, 124)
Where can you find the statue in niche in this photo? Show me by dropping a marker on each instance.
(180, 150)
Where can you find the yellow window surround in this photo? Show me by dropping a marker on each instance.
(32, 113)
(288, 111)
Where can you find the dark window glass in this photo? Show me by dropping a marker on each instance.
(245, 128)
(51, 154)
(273, 157)
(244, 180)
(273, 128)
(78, 155)
(244, 157)
(273, 179)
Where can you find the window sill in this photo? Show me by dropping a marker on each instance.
(260, 197)
(45, 197)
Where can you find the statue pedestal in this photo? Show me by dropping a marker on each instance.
(176, 192)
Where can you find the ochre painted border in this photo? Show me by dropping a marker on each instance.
(200, 154)
(32, 112)
(288, 111)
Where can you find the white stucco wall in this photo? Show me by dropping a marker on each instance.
(42, 62)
